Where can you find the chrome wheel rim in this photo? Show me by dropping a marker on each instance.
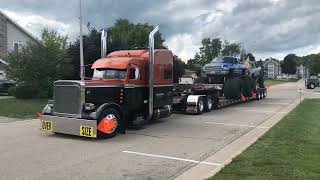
(209, 104)
(200, 106)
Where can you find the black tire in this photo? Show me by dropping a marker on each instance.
(261, 81)
(311, 85)
(200, 105)
(110, 113)
(233, 88)
(247, 86)
(216, 100)
(208, 104)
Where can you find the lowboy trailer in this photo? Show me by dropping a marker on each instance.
(128, 88)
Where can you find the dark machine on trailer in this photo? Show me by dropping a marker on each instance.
(129, 88)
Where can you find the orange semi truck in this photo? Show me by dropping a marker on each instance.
(128, 88)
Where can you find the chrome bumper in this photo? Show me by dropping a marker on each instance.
(70, 126)
(216, 72)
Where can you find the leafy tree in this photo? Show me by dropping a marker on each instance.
(230, 49)
(289, 64)
(91, 52)
(312, 62)
(38, 65)
(121, 36)
(178, 68)
(210, 49)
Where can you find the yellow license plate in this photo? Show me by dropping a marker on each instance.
(46, 125)
(87, 131)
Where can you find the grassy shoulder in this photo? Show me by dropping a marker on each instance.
(272, 82)
(290, 150)
(21, 108)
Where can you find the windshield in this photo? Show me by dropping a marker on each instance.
(223, 60)
(109, 73)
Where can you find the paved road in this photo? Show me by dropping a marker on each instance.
(162, 150)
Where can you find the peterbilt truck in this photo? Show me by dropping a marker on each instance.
(128, 88)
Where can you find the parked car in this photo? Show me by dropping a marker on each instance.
(312, 82)
(5, 83)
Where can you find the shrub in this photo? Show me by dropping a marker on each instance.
(38, 65)
(24, 91)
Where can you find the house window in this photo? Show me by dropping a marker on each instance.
(17, 46)
(270, 66)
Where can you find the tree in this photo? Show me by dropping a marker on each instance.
(312, 62)
(210, 49)
(178, 68)
(230, 49)
(289, 64)
(122, 35)
(37, 66)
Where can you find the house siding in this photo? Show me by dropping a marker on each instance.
(272, 69)
(14, 34)
(3, 36)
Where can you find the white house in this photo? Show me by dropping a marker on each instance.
(12, 38)
(272, 68)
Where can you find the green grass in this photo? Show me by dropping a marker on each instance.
(272, 82)
(290, 150)
(20, 108)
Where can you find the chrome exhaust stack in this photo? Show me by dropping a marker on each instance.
(104, 35)
(151, 70)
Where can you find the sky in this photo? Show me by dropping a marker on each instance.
(266, 28)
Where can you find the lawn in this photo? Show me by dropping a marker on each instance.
(18, 108)
(290, 150)
(272, 82)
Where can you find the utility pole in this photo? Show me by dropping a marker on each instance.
(81, 44)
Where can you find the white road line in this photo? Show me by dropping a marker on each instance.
(259, 111)
(275, 103)
(173, 158)
(241, 125)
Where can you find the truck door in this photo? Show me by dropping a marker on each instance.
(136, 89)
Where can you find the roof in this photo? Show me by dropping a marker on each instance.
(3, 62)
(273, 60)
(113, 62)
(19, 27)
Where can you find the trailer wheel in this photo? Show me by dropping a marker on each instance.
(208, 104)
(200, 106)
(108, 123)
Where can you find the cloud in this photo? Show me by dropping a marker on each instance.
(265, 27)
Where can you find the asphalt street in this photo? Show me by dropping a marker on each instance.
(162, 150)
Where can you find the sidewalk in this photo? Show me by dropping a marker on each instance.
(225, 155)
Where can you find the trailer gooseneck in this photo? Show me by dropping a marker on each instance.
(130, 88)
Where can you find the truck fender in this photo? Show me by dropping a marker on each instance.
(192, 103)
(106, 105)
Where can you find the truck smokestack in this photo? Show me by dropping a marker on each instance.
(151, 68)
(104, 35)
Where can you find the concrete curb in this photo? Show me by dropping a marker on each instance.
(225, 155)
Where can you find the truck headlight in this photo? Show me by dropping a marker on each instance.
(89, 106)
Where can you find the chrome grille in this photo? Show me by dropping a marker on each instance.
(68, 98)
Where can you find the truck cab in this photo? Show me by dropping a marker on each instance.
(129, 87)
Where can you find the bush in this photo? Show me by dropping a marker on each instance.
(24, 91)
(38, 65)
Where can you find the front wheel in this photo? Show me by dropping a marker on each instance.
(311, 86)
(108, 123)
